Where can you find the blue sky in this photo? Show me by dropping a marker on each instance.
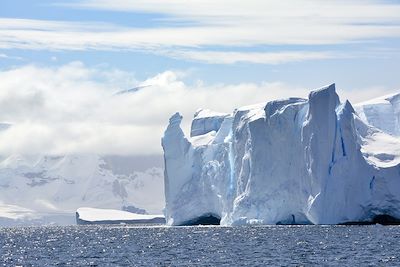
(191, 51)
(352, 62)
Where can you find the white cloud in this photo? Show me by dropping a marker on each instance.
(238, 12)
(38, 34)
(230, 25)
(270, 21)
(227, 57)
(73, 108)
(5, 56)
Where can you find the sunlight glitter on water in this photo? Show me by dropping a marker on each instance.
(205, 245)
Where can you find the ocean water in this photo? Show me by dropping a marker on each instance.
(202, 246)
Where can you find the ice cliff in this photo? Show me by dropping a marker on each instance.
(292, 161)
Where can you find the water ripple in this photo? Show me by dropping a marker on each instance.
(202, 246)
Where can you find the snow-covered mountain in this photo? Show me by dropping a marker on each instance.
(290, 161)
(45, 189)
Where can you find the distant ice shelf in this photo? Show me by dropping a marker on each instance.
(109, 216)
(291, 161)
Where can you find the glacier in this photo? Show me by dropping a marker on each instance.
(48, 189)
(291, 161)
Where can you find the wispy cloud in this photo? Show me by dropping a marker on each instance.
(273, 58)
(237, 12)
(5, 56)
(271, 21)
(171, 42)
(74, 109)
(229, 26)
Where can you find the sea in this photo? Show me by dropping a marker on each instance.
(372, 245)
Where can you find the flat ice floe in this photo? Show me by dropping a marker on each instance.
(110, 216)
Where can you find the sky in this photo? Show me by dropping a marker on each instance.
(64, 63)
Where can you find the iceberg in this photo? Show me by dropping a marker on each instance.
(109, 216)
(382, 112)
(291, 161)
(206, 121)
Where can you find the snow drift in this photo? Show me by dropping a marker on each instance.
(292, 161)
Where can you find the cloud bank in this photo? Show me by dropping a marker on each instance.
(74, 108)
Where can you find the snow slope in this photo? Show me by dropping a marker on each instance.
(45, 189)
(286, 161)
